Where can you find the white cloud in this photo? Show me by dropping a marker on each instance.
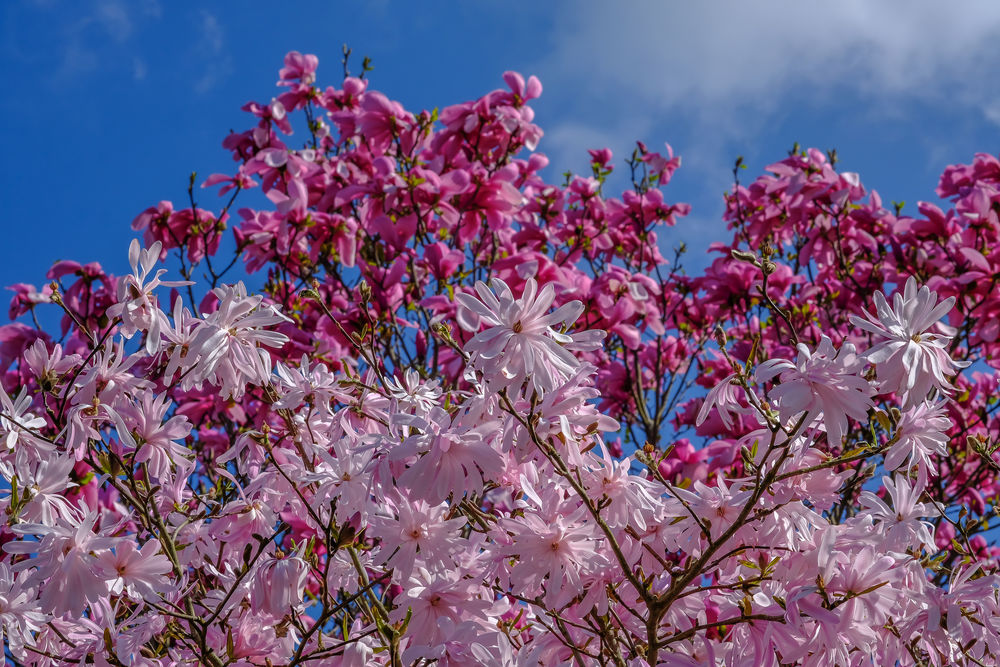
(98, 37)
(212, 37)
(729, 67)
(750, 53)
(211, 48)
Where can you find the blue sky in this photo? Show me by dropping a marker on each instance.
(111, 104)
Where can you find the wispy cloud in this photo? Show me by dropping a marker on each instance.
(730, 67)
(211, 48)
(79, 41)
(113, 17)
(738, 53)
(139, 69)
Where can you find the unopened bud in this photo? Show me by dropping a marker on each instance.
(720, 336)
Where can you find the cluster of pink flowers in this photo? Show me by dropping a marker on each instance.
(459, 424)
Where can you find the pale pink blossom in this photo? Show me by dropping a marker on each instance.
(921, 432)
(715, 506)
(825, 383)
(44, 483)
(414, 394)
(137, 573)
(903, 523)
(137, 307)
(20, 614)
(911, 360)
(554, 552)
(421, 533)
(65, 562)
(520, 342)
(49, 367)
(724, 397)
(432, 597)
(154, 434)
(228, 343)
(19, 425)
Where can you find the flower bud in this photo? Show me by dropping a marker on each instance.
(278, 586)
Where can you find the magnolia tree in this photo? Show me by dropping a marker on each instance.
(408, 448)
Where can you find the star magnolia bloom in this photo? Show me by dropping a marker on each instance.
(16, 422)
(137, 307)
(228, 343)
(138, 573)
(20, 615)
(911, 361)
(902, 523)
(520, 342)
(65, 561)
(724, 396)
(826, 382)
(921, 431)
(44, 483)
(558, 549)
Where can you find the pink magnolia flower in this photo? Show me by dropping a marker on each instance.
(25, 298)
(344, 474)
(64, 562)
(44, 482)
(633, 500)
(154, 439)
(20, 615)
(554, 552)
(921, 431)
(18, 425)
(309, 382)
(911, 361)
(137, 307)
(49, 367)
(903, 524)
(432, 597)
(823, 384)
(244, 520)
(227, 344)
(138, 573)
(716, 507)
(724, 397)
(452, 462)
(421, 532)
(520, 343)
